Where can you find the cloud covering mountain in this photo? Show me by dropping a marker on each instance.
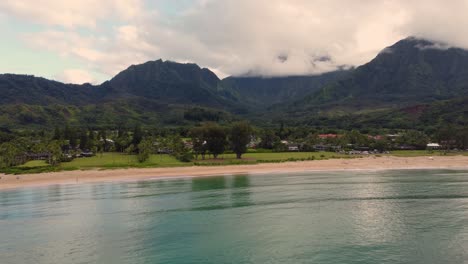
(231, 37)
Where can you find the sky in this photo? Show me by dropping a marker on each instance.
(78, 41)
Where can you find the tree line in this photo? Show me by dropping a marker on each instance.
(186, 143)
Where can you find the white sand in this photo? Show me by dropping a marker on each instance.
(368, 163)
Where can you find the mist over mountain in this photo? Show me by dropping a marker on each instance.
(267, 91)
(411, 74)
(412, 70)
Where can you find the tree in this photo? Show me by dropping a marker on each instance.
(179, 151)
(55, 152)
(198, 136)
(309, 142)
(215, 139)
(268, 139)
(414, 138)
(92, 141)
(84, 140)
(462, 138)
(137, 135)
(145, 148)
(130, 149)
(57, 134)
(102, 136)
(9, 153)
(239, 137)
(354, 138)
(122, 142)
(72, 138)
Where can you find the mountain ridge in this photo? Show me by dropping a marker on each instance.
(409, 73)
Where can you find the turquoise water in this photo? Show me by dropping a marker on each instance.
(353, 217)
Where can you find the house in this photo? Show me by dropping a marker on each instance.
(320, 147)
(253, 142)
(87, 154)
(433, 146)
(393, 137)
(293, 147)
(377, 137)
(328, 136)
(188, 144)
(38, 156)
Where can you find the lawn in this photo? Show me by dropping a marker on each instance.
(118, 160)
(281, 156)
(34, 164)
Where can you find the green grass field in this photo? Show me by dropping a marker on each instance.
(119, 160)
(34, 164)
(280, 156)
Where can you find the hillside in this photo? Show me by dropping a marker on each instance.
(172, 83)
(414, 83)
(154, 93)
(27, 89)
(267, 91)
(411, 71)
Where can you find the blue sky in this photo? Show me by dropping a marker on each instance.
(19, 56)
(90, 41)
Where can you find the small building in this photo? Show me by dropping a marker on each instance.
(320, 147)
(328, 136)
(87, 154)
(293, 147)
(38, 156)
(433, 146)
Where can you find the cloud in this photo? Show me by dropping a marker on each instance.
(444, 21)
(244, 36)
(77, 76)
(71, 14)
(234, 37)
(105, 55)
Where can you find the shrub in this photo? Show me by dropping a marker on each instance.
(184, 157)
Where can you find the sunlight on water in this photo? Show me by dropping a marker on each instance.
(358, 217)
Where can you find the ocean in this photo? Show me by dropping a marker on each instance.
(406, 216)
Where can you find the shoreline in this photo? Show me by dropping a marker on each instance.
(372, 163)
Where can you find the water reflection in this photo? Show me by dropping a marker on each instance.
(392, 217)
(208, 183)
(240, 191)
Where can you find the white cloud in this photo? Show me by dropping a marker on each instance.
(70, 14)
(265, 37)
(444, 21)
(77, 76)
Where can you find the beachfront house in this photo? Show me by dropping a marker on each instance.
(433, 146)
(293, 147)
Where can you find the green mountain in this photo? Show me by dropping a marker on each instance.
(414, 83)
(27, 89)
(154, 93)
(411, 71)
(266, 91)
(171, 83)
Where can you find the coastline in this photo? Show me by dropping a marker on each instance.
(371, 163)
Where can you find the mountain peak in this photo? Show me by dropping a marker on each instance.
(417, 44)
(413, 69)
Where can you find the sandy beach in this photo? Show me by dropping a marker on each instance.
(368, 163)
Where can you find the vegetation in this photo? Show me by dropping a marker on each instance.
(208, 144)
(185, 115)
(239, 136)
(408, 88)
